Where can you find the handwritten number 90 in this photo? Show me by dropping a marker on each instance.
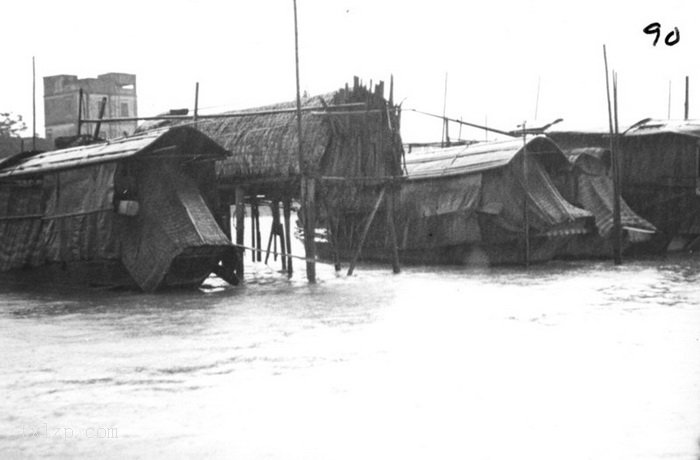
(671, 39)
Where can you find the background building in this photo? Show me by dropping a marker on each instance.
(62, 95)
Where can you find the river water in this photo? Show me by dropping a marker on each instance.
(575, 360)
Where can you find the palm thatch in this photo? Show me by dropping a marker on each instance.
(359, 141)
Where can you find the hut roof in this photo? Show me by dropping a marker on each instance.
(264, 144)
(171, 141)
(478, 157)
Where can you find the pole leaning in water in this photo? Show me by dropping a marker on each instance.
(617, 230)
(307, 182)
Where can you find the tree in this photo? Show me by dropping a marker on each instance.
(11, 124)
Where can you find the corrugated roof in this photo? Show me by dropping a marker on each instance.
(181, 141)
(475, 158)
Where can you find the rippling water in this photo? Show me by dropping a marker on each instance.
(568, 360)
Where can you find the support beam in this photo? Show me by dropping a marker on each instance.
(391, 227)
(365, 230)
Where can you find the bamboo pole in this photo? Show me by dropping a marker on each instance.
(365, 230)
(247, 113)
(617, 257)
(307, 183)
(473, 125)
(687, 93)
(240, 228)
(444, 137)
(617, 218)
(526, 211)
(196, 104)
(33, 104)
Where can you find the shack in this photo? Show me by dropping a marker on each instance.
(350, 142)
(129, 212)
(659, 175)
(479, 203)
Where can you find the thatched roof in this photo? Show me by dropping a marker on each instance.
(265, 145)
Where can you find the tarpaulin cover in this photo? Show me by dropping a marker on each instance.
(21, 208)
(439, 212)
(65, 218)
(78, 220)
(595, 192)
(546, 207)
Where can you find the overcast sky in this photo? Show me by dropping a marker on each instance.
(242, 53)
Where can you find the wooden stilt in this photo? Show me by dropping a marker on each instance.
(273, 236)
(288, 233)
(365, 230)
(256, 216)
(390, 210)
(308, 192)
(252, 229)
(240, 228)
(283, 246)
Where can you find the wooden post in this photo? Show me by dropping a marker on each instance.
(240, 228)
(365, 230)
(287, 209)
(390, 210)
(103, 104)
(80, 110)
(526, 211)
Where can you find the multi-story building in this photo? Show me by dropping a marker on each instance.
(61, 102)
